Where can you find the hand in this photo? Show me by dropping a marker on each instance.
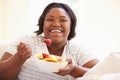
(66, 70)
(23, 50)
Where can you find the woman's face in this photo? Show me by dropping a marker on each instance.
(57, 25)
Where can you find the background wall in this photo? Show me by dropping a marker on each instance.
(100, 25)
(15, 19)
(97, 29)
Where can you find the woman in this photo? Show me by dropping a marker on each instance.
(57, 23)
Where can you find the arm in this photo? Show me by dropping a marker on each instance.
(75, 70)
(12, 63)
(79, 71)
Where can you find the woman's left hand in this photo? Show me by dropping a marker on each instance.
(66, 70)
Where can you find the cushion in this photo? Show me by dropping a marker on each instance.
(107, 69)
(3, 46)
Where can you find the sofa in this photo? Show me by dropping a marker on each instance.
(107, 69)
(3, 46)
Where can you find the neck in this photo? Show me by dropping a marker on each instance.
(56, 49)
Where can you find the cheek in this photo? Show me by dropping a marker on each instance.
(68, 28)
(45, 27)
(67, 31)
(45, 30)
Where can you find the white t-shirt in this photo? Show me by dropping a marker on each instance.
(30, 71)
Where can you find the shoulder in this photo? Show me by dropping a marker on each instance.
(29, 37)
(78, 47)
(82, 53)
(74, 46)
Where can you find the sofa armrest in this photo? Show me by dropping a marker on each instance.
(3, 46)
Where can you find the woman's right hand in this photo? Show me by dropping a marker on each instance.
(23, 50)
(12, 63)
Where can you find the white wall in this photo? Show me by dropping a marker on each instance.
(100, 25)
(15, 19)
(1, 19)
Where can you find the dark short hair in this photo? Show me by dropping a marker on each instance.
(67, 9)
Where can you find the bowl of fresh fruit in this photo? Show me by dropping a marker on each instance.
(49, 62)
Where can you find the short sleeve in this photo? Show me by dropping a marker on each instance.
(81, 55)
(12, 49)
(84, 55)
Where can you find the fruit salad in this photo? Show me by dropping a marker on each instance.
(51, 58)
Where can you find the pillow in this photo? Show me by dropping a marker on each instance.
(110, 64)
(106, 69)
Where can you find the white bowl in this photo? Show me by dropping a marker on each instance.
(49, 66)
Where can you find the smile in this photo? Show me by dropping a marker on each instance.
(59, 31)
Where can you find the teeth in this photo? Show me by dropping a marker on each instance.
(56, 31)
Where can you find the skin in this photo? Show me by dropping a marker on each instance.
(57, 28)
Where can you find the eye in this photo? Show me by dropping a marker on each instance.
(49, 19)
(63, 20)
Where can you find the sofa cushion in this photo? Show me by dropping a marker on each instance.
(3, 46)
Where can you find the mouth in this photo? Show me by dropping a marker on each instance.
(56, 31)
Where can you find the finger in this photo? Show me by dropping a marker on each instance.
(26, 48)
(63, 73)
(69, 61)
(26, 54)
(20, 46)
(64, 69)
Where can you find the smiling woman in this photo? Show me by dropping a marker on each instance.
(97, 27)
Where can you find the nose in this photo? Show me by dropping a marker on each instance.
(56, 24)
